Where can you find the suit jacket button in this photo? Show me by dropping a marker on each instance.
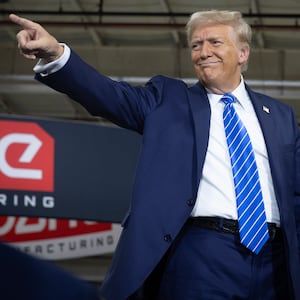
(168, 238)
(191, 202)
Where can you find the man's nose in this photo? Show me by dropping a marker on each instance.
(205, 50)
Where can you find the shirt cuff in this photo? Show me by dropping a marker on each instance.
(54, 66)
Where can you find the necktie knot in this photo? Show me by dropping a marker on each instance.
(228, 98)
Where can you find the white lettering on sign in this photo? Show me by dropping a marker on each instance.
(23, 227)
(28, 155)
(27, 201)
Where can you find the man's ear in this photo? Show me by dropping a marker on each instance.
(244, 52)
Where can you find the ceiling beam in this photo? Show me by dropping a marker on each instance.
(166, 7)
(250, 15)
(95, 37)
(145, 25)
(254, 7)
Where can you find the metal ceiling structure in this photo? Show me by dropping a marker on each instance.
(135, 39)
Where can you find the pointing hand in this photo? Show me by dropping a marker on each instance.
(35, 42)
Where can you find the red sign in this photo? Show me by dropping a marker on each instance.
(59, 239)
(21, 229)
(26, 157)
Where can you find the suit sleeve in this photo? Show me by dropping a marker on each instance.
(297, 187)
(119, 102)
(297, 183)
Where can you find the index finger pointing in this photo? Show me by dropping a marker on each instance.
(25, 23)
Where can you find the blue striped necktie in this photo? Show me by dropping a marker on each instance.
(253, 227)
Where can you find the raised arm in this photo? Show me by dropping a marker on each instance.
(35, 42)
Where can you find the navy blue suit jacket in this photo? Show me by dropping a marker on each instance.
(174, 120)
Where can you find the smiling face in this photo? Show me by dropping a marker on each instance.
(218, 57)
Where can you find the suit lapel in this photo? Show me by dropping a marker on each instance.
(200, 111)
(267, 119)
(265, 115)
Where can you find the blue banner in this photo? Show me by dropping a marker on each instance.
(66, 169)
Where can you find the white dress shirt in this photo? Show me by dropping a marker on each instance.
(216, 195)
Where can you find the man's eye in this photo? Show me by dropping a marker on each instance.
(196, 46)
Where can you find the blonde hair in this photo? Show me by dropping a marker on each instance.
(230, 18)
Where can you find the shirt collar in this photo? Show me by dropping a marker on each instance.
(240, 94)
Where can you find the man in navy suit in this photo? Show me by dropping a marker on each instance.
(180, 239)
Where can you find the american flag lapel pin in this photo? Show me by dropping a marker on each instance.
(266, 109)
